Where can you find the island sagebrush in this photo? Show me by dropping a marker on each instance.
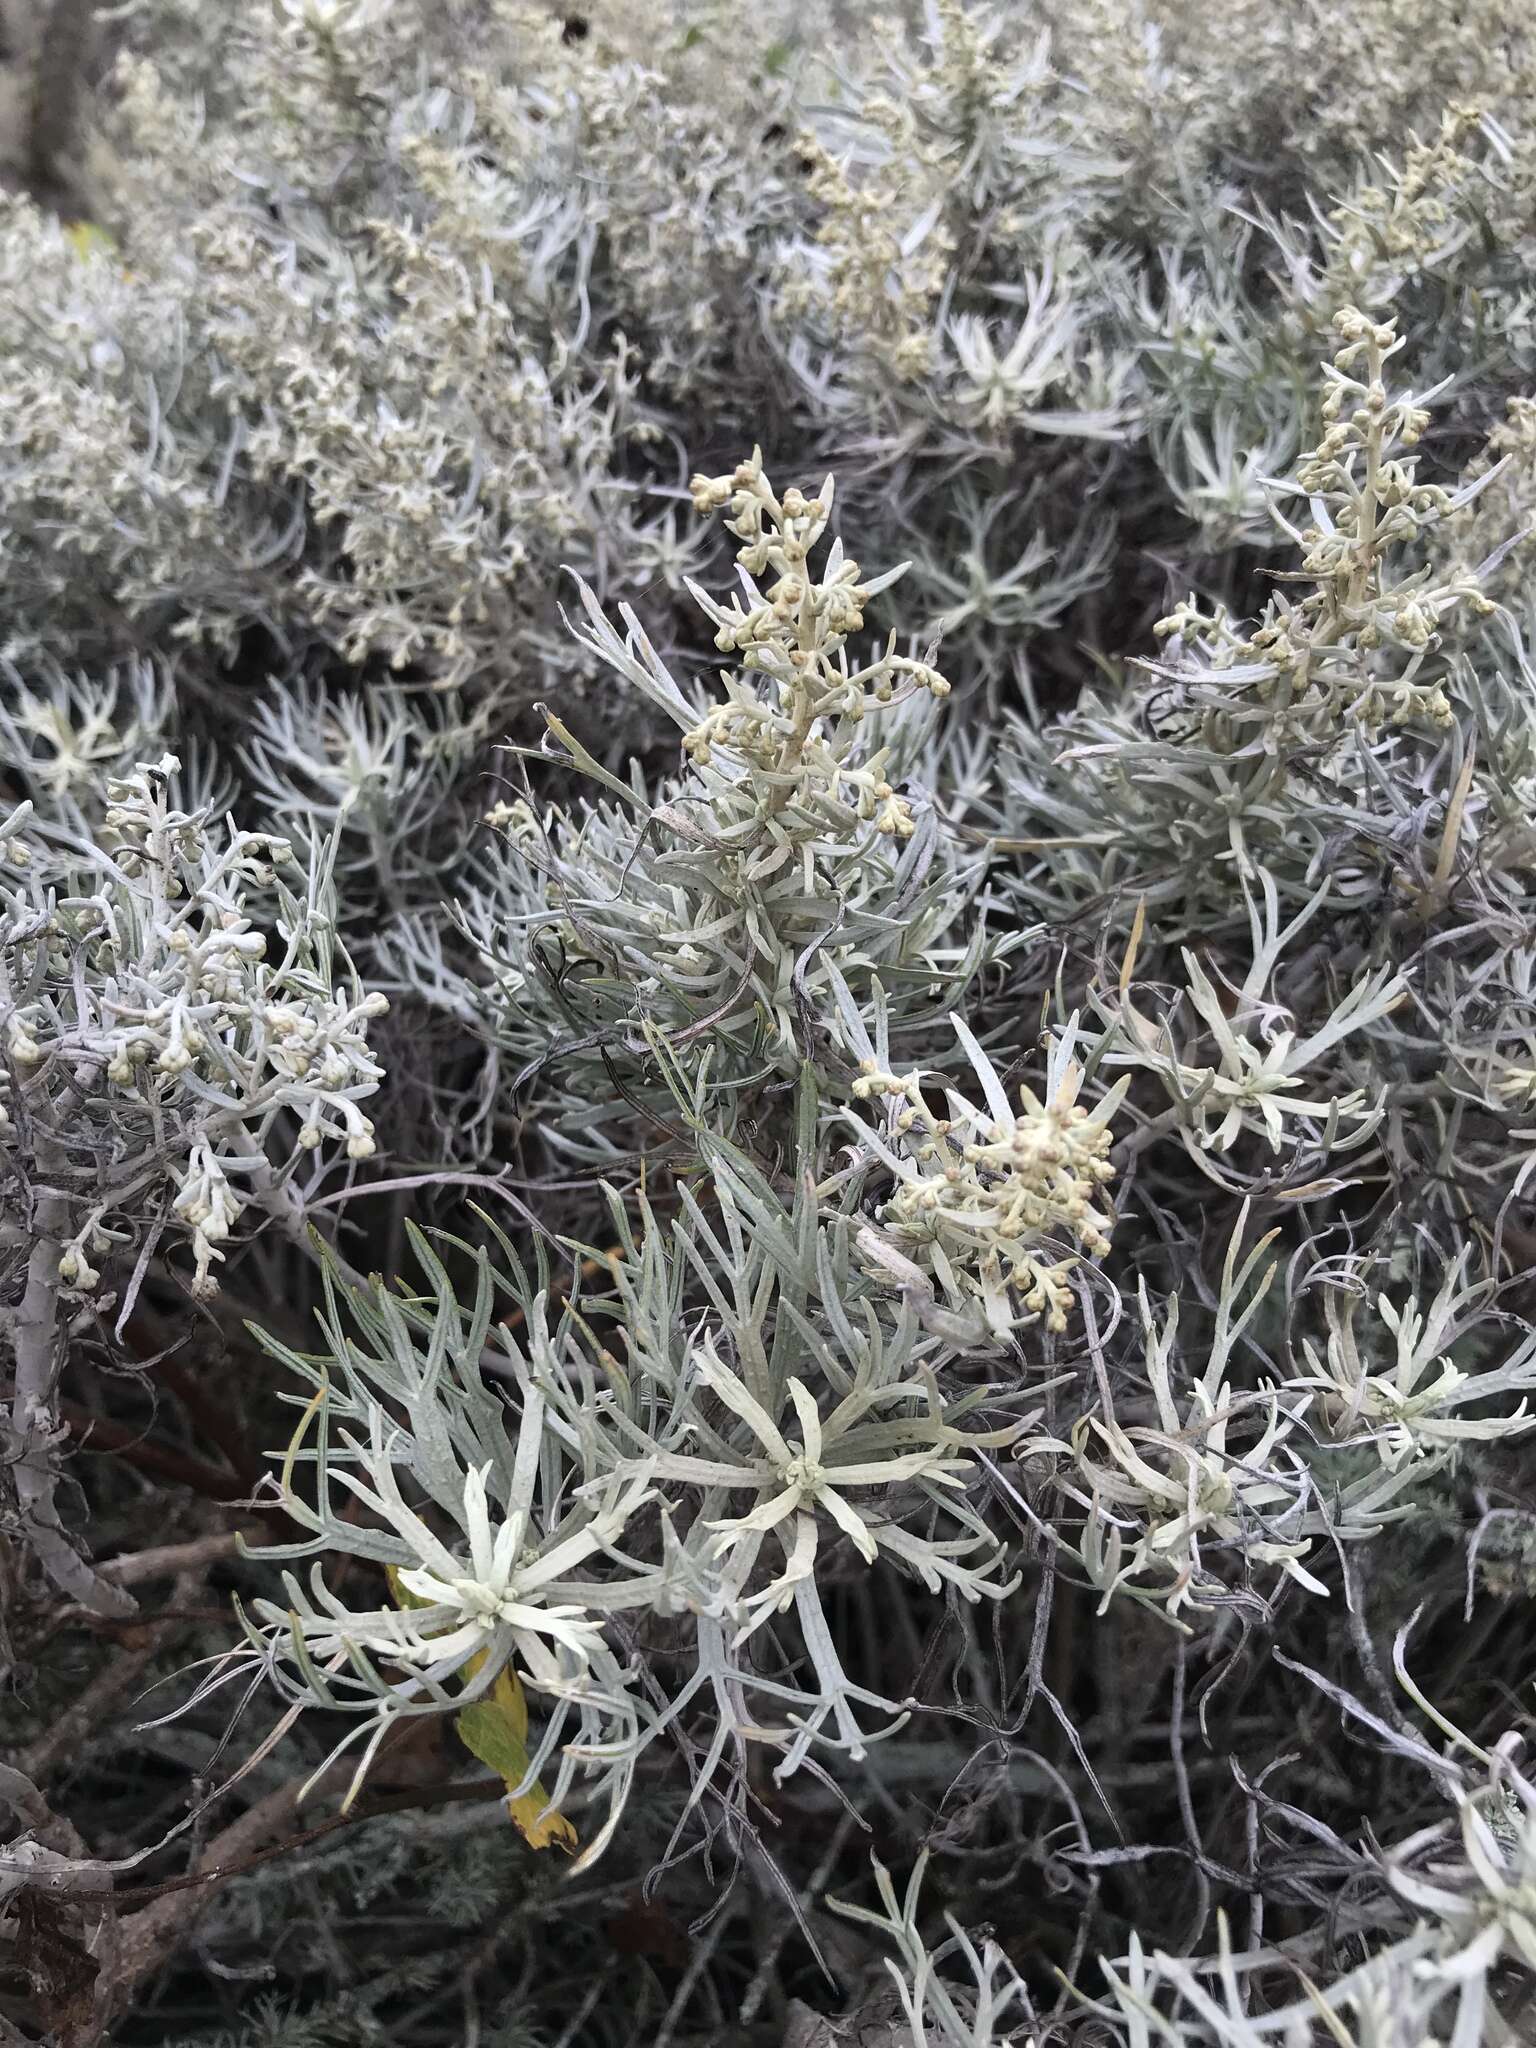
(767, 1056)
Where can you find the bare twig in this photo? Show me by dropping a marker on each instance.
(34, 1418)
(138, 1566)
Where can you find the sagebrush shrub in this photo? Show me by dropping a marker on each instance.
(767, 883)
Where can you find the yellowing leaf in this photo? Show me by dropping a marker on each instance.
(495, 1729)
(86, 239)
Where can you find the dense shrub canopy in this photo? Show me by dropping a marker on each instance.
(768, 1027)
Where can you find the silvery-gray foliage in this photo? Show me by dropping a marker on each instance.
(766, 881)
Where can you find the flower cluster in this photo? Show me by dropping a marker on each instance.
(803, 744)
(980, 1191)
(1361, 643)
